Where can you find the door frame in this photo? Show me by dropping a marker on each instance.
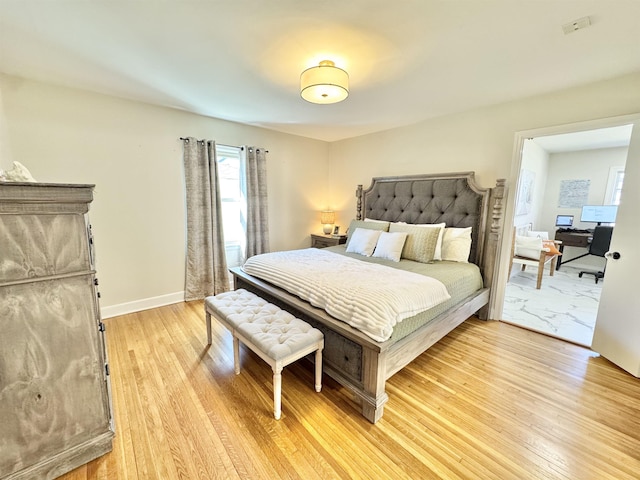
(504, 249)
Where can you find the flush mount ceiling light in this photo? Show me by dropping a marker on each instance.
(325, 83)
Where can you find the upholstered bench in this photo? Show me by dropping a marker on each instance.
(273, 334)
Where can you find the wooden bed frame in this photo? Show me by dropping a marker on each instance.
(352, 358)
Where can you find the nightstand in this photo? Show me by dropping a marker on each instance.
(322, 241)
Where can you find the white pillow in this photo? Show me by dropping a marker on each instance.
(390, 245)
(528, 247)
(456, 244)
(539, 234)
(355, 224)
(363, 241)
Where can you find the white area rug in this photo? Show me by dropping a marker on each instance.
(565, 306)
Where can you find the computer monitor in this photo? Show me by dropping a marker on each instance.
(564, 220)
(599, 214)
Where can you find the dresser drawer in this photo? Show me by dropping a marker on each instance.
(42, 245)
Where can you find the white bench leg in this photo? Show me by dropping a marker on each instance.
(277, 392)
(318, 369)
(208, 328)
(236, 355)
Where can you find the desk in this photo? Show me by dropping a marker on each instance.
(572, 238)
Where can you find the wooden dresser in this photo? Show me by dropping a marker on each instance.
(55, 407)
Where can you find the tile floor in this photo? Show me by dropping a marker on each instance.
(565, 306)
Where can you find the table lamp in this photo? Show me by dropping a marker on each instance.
(327, 219)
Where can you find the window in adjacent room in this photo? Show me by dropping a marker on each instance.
(234, 204)
(614, 186)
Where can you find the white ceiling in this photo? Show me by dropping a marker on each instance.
(240, 60)
(610, 137)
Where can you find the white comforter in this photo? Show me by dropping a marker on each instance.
(369, 297)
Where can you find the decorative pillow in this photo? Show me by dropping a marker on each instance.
(363, 241)
(421, 242)
(438, 253)
(541, 235)
(528, 247)
(456, 244)
(390, 245)
(551, 247)
(355, 224)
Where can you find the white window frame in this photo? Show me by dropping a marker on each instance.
(234, 248)
(614, 186)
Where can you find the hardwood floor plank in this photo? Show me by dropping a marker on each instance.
(530, 414)
(222, 406)
(205, 445)
(488, 401)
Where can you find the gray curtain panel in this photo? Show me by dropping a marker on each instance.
(206, 265)
(257, 212)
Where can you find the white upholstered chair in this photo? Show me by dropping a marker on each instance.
(530, 250)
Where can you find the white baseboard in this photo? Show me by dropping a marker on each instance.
(143, 304)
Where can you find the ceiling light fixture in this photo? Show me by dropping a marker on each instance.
(325, 83)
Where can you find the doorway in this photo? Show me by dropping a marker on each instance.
(558, 174)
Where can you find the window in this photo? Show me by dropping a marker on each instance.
(614, 186)
(234, 204)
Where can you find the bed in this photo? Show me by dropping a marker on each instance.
(354, 359)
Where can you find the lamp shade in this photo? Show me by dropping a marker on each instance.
(325, 83)
(327, 217)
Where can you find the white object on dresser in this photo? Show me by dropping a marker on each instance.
(55, 406)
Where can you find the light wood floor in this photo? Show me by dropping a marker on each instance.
(488, 401)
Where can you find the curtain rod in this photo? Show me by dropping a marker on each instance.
(222, 144)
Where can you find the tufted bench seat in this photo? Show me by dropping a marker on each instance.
(273, 334)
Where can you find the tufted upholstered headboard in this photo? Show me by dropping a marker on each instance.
(452, 198)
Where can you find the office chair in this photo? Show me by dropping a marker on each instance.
(599, 246)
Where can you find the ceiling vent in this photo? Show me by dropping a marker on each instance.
(579, 24)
